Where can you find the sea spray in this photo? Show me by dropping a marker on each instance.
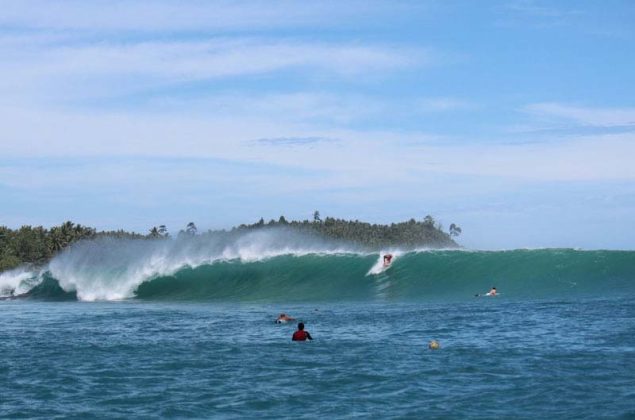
(18, 281)
(282, 265)
(112, 269)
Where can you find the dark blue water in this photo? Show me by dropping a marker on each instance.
(499, 357)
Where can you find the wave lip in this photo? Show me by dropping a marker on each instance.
(18, 281)
(113, 269)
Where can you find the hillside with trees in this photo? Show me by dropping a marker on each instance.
(406, 235)
(37, 245)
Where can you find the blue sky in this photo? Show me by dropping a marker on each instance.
(513, 119)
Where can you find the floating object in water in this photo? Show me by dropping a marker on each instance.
(434, 345)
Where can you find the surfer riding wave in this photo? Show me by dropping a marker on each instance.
(387, 260)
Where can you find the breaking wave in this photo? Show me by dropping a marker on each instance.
(280, 265)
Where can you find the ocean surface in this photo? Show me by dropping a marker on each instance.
(153, 329)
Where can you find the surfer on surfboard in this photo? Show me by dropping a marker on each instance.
(387, 259)
(283, 318)
(492, 292)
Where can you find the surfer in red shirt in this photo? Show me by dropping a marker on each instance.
(300, 334)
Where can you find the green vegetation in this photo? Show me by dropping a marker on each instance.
(37, 245)
(410, 234)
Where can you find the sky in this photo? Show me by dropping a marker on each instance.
(514, 119)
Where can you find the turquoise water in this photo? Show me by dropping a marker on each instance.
(153, 329)
(498, 357)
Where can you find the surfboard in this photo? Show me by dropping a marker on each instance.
(379, 266)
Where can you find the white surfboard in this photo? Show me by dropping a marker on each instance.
(379, 266)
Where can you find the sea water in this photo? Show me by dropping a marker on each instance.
(154, 329)
(498, 357)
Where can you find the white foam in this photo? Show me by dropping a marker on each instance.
(379, 266)
(17, 281)
(112, 269)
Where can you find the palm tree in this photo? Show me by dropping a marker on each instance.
(67, 231)
(163, 231)
(191, 229)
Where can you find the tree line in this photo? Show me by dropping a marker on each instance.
(37, 245)
(425, 233)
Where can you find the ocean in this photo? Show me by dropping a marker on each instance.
(185, 328)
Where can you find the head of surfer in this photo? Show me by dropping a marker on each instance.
(301, 326)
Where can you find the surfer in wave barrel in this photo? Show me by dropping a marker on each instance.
(387, 259)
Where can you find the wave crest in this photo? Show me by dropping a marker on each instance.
(279, 265)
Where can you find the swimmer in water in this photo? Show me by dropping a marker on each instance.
(300, 334)
(387, 259)
(282, 318)
(491, 292)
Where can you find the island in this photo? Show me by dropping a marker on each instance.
(37, 245)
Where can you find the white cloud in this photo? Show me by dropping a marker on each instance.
(599, 117)
(357, 159)
(298, 107)
(172, 15)
(38, 68)
(292, 141)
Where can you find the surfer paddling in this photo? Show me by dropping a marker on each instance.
(387, 259)
(283, 318)
(492, 292)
